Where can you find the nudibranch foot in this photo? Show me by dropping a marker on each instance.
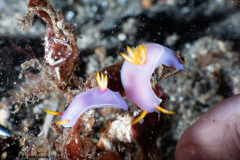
(53, 113)
(164, 110)
(140, 117)
(63, 122)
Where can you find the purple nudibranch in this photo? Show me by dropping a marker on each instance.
(96, 97)
(92, 98)
(136, 73)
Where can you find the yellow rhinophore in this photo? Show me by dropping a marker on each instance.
(136, 56)
(102, 81)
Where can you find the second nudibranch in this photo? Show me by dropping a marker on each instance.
(96, 97)
(136, 73)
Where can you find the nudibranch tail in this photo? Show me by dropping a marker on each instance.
(102, 81)
(140, 117)
(53, 113)
(164, 110)
(138, 56)
(63, 122)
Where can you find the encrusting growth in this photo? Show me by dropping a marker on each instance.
(61, 52)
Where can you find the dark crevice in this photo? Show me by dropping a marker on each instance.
(224, 89)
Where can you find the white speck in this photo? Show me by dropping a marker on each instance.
(57, 62)
(122, 37)
(46, 43)
(90, 112)
(59, 24)
(60, 40)
(49, 57)
(187, 45)
(210, 68)
(58, 73)
(180, 98)
(135, 113)
(141, 121)
(104, 3)
(94, 8)
(59, 53)
(193, 56)
(40, 134)
(70, 15)
(50, 53)
(88, 125)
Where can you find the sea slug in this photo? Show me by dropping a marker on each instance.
(136, 73)
(96, 97)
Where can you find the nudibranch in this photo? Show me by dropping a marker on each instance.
(136, 73)
(96, 97)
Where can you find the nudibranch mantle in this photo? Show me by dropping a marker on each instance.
(136, 78)
(92, 98)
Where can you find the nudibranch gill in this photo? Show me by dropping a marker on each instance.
(96, 97)
(136, 73)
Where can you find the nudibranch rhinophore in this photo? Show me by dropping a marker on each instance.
(136, 73)
(96, 97)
